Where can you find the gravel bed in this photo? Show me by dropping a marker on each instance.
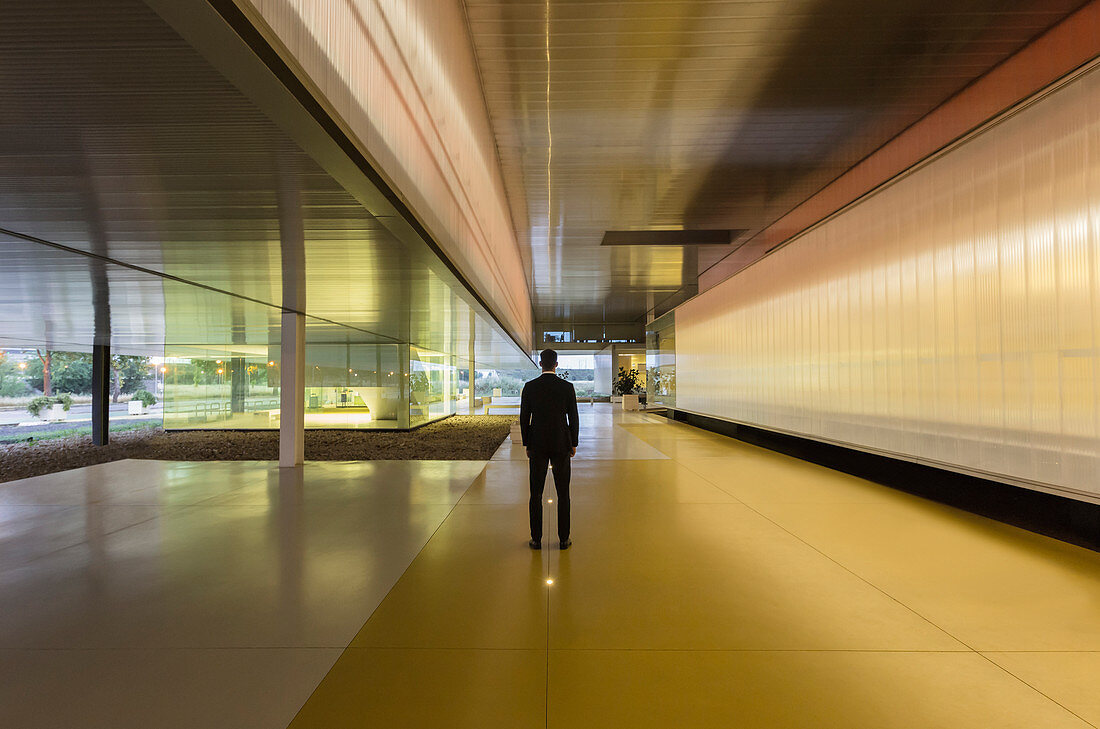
(458, 438)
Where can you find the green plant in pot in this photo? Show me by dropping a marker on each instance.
(147, 398)
(628, 382)
(45, 402)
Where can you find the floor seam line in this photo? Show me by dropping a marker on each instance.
(844, 567)
(1035, 689)
(397, 581)
(546, 695)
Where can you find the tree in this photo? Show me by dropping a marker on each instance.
(66, 372)
(128, 372)
(51, 371)
(72, 374)
(47, 381)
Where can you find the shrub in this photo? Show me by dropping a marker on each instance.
(147, 398)
(13, 388)
(44, 402)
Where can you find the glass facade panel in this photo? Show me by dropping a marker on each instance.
(433, 390)
(216, 388)
(355, 386)
(661, 361)
(346, 386)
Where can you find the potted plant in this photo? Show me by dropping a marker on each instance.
(626, 387)
(141, 400)
(51, 408)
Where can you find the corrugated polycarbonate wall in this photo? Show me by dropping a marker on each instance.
(951, 317)
(401, 75)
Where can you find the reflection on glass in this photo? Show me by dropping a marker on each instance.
(346, 386)
(215, 388)
(354, 386)
(433, 391)
(661, 361)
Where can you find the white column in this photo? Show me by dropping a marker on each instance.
(292, 369)
(473, 370)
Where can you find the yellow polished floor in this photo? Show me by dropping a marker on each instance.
(714, 584)
(711, 584)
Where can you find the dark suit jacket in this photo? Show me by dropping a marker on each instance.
(548, 415)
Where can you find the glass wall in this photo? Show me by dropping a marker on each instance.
(433, 385)
(219, 388)
(353, 378)
(630, 359)
(355, 386)
(346, 386)
(660, 359)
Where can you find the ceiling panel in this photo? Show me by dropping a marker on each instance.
(704, 114)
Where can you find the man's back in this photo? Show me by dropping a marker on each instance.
(548, 415)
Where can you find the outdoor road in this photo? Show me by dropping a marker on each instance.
(76, 412)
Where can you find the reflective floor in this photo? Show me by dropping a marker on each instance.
(711, 584)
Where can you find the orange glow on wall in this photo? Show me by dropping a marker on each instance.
(951, 317)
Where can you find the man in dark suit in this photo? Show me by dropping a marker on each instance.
(548, 422)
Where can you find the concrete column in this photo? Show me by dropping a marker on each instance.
(101, 393)
(473, 368)
(292, 370)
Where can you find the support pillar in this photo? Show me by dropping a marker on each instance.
(238, 384)
(292, 368)
(473, 349)
(101, 393)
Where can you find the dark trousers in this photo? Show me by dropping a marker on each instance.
(539, 462)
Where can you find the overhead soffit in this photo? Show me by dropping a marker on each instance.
(704, 114)
(118, 139)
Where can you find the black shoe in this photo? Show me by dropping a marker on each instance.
(566, 543)
(534, 545)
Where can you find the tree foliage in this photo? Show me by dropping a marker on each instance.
(12, 383)
(72, 372)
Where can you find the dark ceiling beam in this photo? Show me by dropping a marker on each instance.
(669, 237)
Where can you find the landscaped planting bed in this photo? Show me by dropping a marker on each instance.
(461, 437)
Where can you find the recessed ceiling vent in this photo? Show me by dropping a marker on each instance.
(669, 237)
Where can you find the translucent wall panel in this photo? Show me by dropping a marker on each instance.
(401, 75)
(953, 316)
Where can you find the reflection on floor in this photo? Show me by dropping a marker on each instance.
(165, 594)
(711, 584)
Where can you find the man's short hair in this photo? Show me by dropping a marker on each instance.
(548, 358)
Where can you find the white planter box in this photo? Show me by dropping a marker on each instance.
(137, 407)
(498, 392)
(630, 402)
(56, 413)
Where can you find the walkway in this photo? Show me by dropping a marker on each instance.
(711, 584)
